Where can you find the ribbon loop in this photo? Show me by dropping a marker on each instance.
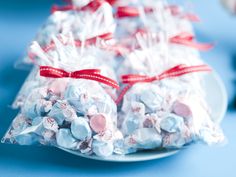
(89, 74)
(93, 6)
(175, 71)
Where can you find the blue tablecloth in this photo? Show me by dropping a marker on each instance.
(19, 21)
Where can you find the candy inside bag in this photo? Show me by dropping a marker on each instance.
(70, 99)
(64, 50)
(154, 115)
(70, 105)
(163, 104)
(82, 119)
(153, 16)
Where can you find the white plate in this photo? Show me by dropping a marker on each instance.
(217, 100)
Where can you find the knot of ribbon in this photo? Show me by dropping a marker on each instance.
(175, 71)
(89, 74)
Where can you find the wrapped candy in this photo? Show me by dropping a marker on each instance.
(70, 105)
(85, 114)
(162, 103)
(70, 99)
(153, 115)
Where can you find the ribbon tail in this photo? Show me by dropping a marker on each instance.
(122, 93)
(193, 44)
(99, 78)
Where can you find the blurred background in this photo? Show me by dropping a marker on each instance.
(19, 22)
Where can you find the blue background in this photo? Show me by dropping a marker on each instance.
(19, 21)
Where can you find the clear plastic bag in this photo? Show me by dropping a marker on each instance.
(84, 24)
(168, 113)
(64, 50)
(75, 114)
(84, 115)
(154, 16)
(83, 118)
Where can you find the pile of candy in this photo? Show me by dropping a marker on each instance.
(115, 77)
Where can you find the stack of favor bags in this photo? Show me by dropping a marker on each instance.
(115, 77)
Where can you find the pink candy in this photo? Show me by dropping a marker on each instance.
(58, 86)
(98, 123)
(182, 109)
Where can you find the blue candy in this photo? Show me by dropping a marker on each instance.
(173, 140)
(152, 100)
(26, 138)
(65, 139)
(79, 98)
(147, 138)
(132, 122)
(40, 108)
(102, 149)
(80, 129)
(61, 111)
(172, 123)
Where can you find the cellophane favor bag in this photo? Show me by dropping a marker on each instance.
(69, 106)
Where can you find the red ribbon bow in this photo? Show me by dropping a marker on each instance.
(90, 74)
(187, 39)
(93, 6)
(128, 11)
(183, 38)
(175, 71)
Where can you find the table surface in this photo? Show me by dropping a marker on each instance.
(18, 25)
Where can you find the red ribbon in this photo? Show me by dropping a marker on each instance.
(175, 71)
(93, 40)
(183, 38)
(175, 11)
(128, 11)
(78, 43)
(90, 74)
(111, 2)
(187, 39)
(93, 6)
